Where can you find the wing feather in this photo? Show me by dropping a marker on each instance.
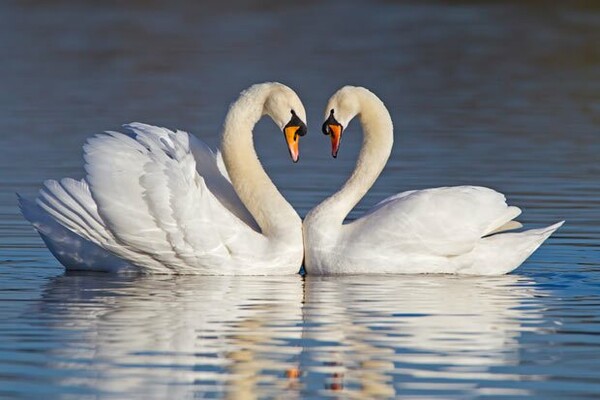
(444, 221)
(114, 163)
(155, 199)
(70, 204)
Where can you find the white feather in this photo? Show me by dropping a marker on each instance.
(440, 230)
(158, 201)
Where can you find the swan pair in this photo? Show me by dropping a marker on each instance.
(160, 201)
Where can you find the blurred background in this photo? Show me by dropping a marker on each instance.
(483, 93)
(504, 94)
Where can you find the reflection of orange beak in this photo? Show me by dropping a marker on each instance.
(292, 373)
(293, 139)
(336, 137)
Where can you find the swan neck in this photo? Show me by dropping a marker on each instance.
(254, 187)
(378, 138)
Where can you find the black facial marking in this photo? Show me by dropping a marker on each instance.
(329, 121)
(302, 130)
(296, 121)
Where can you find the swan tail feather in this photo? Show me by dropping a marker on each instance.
(70, 249)
(71, 226)
(502, 253)
(70, 203)
(509, 226)
(503, 221)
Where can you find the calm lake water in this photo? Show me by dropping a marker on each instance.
(495, 94)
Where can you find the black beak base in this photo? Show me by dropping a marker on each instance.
(329, 121)
(296, 121)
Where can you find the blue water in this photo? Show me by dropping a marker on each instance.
(503, 95)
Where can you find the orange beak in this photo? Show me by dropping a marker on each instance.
(293, 139)
(336, 137)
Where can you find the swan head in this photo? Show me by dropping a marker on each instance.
(341, 108)
(285, 108)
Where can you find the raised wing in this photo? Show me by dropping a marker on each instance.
(444, 221)
(161, 195)
(210, 166)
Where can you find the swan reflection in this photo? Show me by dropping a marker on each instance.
(165, 337)
(250, 337)
(384, 335)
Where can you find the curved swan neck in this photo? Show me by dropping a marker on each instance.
(250, 181)
(378, 138)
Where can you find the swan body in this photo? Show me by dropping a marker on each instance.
(457, 230)
(160, 201)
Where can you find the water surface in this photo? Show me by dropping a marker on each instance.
(495, 94)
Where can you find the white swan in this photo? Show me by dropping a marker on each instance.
(158, 201)
(441, 230)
